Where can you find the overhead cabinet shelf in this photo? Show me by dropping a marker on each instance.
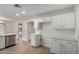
(64, 21)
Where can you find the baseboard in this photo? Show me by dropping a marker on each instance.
(24, 40)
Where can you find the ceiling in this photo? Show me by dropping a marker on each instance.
(8, 11)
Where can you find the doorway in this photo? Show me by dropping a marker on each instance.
(20, 31)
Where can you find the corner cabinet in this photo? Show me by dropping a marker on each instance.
(60, 46)
(64, 21)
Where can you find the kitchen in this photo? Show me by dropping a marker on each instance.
(56, 29)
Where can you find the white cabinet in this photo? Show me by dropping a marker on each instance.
(44, 19)
(57, 21)
(64, 21)
(55, 46)
(36, 24)
(60, 46)
(68, 20)
(2, 42)
(1, 29)
(69, 47)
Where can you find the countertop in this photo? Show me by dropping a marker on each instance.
(7, 34)
(63, 38)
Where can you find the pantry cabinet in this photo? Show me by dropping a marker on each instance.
(60, 46)
(64, 21)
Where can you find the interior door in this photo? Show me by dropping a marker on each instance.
(20, 31)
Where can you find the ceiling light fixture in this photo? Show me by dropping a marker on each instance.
(1, 21)
(17, 14)
(19, 6)
(23, 12)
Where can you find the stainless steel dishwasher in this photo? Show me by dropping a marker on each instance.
(9, 40)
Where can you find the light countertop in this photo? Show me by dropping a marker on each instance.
(7, 34)
(64, 38)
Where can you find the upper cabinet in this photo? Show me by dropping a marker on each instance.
(56, 21)
(64, 21)
(68, 20)
(44, 19)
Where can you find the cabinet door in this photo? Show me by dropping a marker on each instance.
(2, 42)
(47, 19)
(57, 21)
(69, 47)
(1, 29)
(68, 21)
(11, 40)
(55, 46)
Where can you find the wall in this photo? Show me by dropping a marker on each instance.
(77, 21)
(30, 30)
(77, 24)
(9, 27)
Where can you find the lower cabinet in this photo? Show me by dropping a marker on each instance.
(55, 46)
(2, 42)
(59, 46)
(69, 47)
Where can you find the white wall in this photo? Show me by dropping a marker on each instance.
(30, 30)
(77, 21)
(10, 27)
(77, 24)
